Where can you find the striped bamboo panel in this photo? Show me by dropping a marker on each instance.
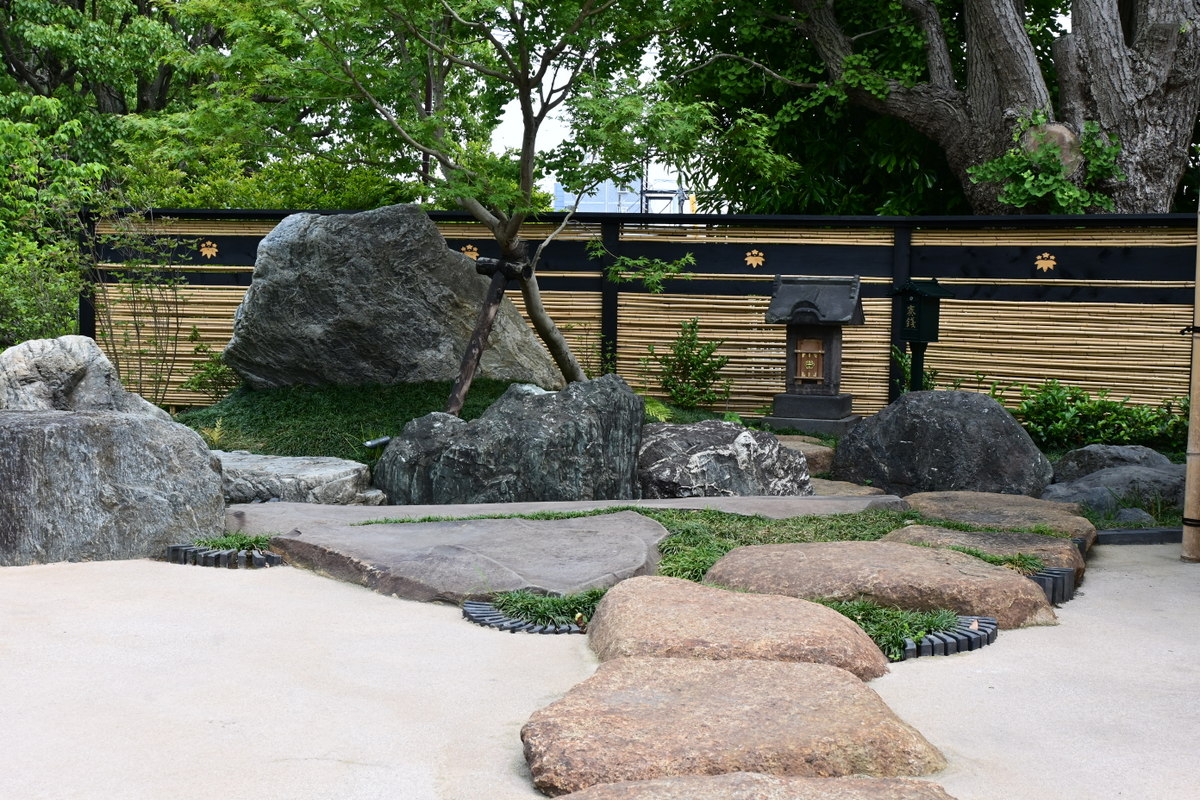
(173, 226)
(145, 334)
(1078, 237)
(1063, 282)
(531, 231)
(756, 350)
(710, 234)
(1132, 350)
(577, 315)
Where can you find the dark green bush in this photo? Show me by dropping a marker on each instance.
(1061, 417)
(691, 373)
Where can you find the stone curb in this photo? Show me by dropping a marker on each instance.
(962, 639)
(1140, 536)
(489, 616)
(1057, 582)
(229, 559)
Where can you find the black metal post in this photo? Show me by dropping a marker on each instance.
(916, 380)
(610, 296)
(901, 272)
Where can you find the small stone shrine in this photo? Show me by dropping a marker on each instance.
(814, 310)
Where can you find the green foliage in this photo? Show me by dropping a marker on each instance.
(889, 627)
(41, 263)
(329, 420)
(1036, 179)
(543, 609)
(903, 360)
(776, 147)
(699, 538)
(236, 541)
(1060, 418)
(211, 376)
(1166, 514)
(651, 272)
(691, 373)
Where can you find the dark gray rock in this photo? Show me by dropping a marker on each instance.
(367, 298)
(942, 441)
(1105, 490)
(580, 443)
(69, 373)
(718, 459)
(100, 485)
(250, 477)
(1135, 516)
(1096, 457)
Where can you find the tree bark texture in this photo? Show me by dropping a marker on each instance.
(1133, 66)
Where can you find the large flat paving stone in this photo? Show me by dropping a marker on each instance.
(987, 509)
(646, 718)
(755, 786)
(258, 518)
(672, 618)
(889, 573)
(472, 559)
(1053, 552)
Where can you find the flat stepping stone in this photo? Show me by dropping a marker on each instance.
(271, 518)
(473, 559)
(888, 573)
(987, 509)
(1053, 552)
(646, 718)
(754, 786)
(672, 618)
(250, 477)
(826, 488)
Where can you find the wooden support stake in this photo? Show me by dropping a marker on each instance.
(1191, 497)
(483, 328)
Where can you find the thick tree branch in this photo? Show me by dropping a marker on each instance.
(937, 52)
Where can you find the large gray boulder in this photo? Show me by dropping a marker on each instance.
(371, 298)
(250, 478)
(1095, 457)
(1104, 491)
(100, 485)
(580, 443)
(718, 459)
(69, 373)
(942, 441)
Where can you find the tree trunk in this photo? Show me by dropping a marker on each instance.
(1133, 66)
(513, 249)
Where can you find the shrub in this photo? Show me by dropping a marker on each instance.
(1061, 417)
(691, 373)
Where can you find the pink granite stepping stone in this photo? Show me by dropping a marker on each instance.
(673, 618)
(888, 573)
(642, 718)
(753, 786)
